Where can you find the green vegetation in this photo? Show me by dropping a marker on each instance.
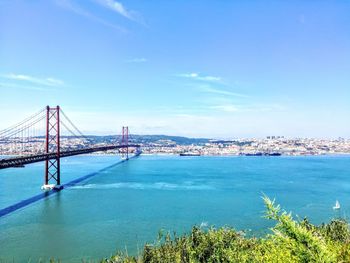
(290, 241)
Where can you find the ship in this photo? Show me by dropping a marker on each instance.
(263, 154)
(190, 154)
(274, 154)
(254, 154)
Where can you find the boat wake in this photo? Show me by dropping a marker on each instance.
(145, 186)
(203, 225)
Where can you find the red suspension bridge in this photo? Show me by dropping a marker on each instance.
(50, 135)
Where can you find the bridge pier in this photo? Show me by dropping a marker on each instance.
(125, 142)
(52, 178)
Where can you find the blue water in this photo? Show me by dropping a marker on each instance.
(125, 206)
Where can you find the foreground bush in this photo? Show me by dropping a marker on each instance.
(290, 241)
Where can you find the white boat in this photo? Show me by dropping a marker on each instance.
(337, 205)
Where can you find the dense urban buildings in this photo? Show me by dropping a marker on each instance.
(158, 144)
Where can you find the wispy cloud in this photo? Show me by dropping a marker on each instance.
(208, 89)
(71, 6)
(226, 108)
(136, 60)
(119, 8)
(197, 76)
(49, 81)
(7, 85)
(229, 107)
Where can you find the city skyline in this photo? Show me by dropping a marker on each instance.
(229, 70)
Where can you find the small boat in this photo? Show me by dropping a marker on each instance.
(337, 205)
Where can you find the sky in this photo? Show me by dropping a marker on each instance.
(197, 68)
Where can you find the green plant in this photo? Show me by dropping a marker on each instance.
(290, 241)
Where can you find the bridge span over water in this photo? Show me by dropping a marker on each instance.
(39, 139)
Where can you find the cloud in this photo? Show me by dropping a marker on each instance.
(197, 76)
(49, 82)
(208, 89)
(136, 60)
(17, 86)
(116, 7)
(226, 108)
(69, 5)
(119, 8)
(229, 107)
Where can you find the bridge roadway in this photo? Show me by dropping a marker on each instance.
(23, 160)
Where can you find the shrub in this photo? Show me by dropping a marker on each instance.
(290, 241)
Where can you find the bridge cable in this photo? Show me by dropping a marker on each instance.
(74, 126)
(22, 122)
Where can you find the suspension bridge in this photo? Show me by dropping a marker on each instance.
(49, 135)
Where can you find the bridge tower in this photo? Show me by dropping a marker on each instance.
(52, 147)
(125, 141)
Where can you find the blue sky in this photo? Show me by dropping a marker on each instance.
(196, 68)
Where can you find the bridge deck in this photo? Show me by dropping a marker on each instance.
(23, 160)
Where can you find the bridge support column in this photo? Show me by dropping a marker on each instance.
(52, 178)
(125, 142)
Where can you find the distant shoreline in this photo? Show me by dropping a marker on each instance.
(210, 155)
